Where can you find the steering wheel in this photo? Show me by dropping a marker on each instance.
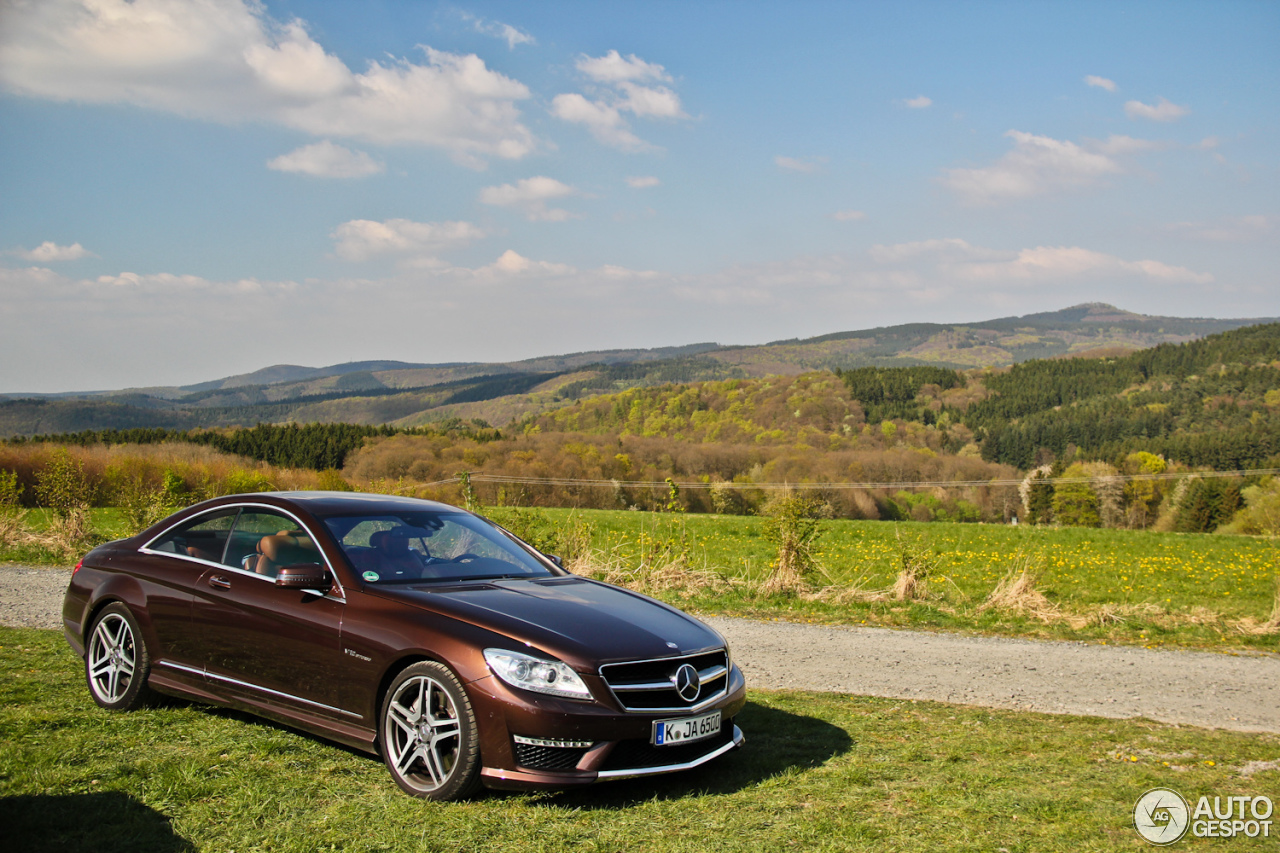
(465, 558)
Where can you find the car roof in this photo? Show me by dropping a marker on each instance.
(338, 503)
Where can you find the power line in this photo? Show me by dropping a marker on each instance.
(856, 486)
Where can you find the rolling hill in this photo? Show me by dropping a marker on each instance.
(410, 394)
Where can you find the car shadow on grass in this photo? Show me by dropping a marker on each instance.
(777, 742)
(108, 821)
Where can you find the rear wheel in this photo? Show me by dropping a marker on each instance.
(116, 663)
(428, 734)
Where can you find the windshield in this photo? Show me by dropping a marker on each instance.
(414, 547)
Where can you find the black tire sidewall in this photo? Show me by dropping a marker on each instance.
(464, 779)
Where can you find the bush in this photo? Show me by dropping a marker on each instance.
(1261, 515)
(10, 493)
(330, 480)
(792, 525)
(62, 485)
(918, 563)
(242, 481)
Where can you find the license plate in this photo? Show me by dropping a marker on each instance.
(685, 729)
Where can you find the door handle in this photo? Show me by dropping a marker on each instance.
(220, 582)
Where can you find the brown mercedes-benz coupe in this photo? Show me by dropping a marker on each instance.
(407, 628)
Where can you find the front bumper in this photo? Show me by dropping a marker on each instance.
(685, 759)
(530, 741)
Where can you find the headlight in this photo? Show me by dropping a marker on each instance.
(541, 676)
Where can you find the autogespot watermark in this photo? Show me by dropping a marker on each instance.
(1162, 817)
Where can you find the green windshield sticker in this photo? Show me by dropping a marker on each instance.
(371, 577)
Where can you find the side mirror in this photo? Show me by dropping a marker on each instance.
(304, 576)
(553, 558)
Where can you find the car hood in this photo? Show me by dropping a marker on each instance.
(570, 617)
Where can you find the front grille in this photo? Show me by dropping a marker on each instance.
(650, 685)
(639, 754)
(548, 757)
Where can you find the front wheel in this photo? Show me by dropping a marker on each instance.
(116, 664)
(428, 734)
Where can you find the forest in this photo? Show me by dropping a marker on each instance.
(1148, 439)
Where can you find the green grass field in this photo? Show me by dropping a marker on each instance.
(1111, 586)
(1199, 590)
(819, 772)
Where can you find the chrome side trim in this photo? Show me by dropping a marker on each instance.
(738, 740)
(236, 682)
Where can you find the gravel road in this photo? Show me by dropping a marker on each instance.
(1207, 689)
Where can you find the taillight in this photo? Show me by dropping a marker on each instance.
(78, 565)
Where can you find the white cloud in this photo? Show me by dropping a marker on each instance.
(48, 252)
(650, 101)
(1067, 263)
(806, 165)
(1121, 145)
(499, 30)
(170, 283)
(848, 216)
(531, 195)
(612, 68)
(640, 182)
(1101, 82)
(919, 103)
(227, 61)
(952, 259)
(945, 247)
(361, 239)
(511, 264)
(1239, 229)
(604, 122)
(621, 85)
(325, 160)
(1036, 165)
(1163, 110)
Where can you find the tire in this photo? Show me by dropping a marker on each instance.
(116, 662)
(427, 734)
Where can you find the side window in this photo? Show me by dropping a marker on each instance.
(263, 541)
(204, 537)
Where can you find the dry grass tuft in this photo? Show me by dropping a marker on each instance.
(855, 593)
(67, 538)
(1107, 615)
(1016, 592)
(918, 562)
(12, 527)
(1273, 624)
(792, 525)
(675, 576)
(785, 579)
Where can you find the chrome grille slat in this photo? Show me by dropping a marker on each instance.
(648, 686)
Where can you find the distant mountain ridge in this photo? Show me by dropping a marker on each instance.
(406, 393)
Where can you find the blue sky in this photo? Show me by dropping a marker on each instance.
(195, 189)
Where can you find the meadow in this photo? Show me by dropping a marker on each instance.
(1129, 586)
(826, 772)
(1214, 591)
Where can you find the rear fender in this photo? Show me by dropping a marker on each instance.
(125, 589)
